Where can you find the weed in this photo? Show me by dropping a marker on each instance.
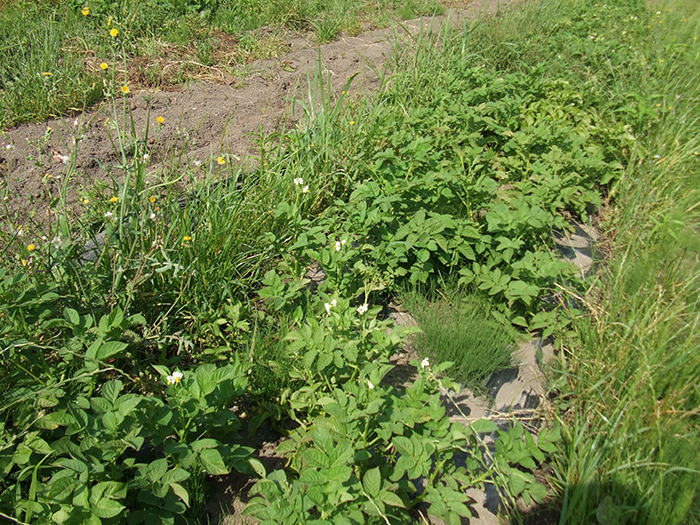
(460, 329)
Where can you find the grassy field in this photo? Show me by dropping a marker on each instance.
(121, 368)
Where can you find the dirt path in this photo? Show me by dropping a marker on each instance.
(201, 120)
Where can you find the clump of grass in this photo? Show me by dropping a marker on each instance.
(42, 72)
(270, 363)
(458, 327)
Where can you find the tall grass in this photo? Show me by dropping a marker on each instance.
(627, 386)
(636, 365)
(42, 71)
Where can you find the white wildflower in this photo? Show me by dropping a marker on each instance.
(425, 363)
(175, 378)
(330, 305)
(305, 189)
(370, 385)
(146, 156)
(298, 181)
(109, 215)
(362, 309)
(337, 246)
(153, 216)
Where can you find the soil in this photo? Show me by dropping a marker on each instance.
(201, 121)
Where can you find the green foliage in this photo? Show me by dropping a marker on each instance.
(70, 455)
(52, 79)
(41, 75)
(625, 382)
(366, 452)
(472, 176)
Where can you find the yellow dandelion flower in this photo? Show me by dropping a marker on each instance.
(25, 262)
(125, 89)
(85, 11)
(104, 66)
(352, 122)
(152, 198)
(221, 161)
(114, 199)
(114, 32)
(160, 120)
(342, 93)
(187, 238)
(47, 73)
(86, 201)
(31, 247)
